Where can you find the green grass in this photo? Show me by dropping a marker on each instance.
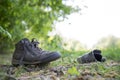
(68, 68)
(5, 59)
(112, 53)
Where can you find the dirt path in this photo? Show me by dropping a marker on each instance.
(109, 70)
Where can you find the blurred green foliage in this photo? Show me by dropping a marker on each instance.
(110, 46)
(35, 19)
(108, 42)
(29, 18)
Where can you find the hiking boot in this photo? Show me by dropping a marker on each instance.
(28, 53)
(92, 56)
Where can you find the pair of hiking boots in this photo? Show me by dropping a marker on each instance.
(28, 53)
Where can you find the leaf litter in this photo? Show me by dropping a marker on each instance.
(110, 70)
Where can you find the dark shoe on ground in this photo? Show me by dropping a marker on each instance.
(28, 53)
(92, 56)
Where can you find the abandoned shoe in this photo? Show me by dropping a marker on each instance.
(92, 56)
(27, 53)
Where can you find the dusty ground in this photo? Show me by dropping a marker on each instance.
(109, 70)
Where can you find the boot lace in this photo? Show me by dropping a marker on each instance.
(35, 44)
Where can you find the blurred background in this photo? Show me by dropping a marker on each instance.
(72, 27)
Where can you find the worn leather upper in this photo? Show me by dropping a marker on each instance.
(30, 52)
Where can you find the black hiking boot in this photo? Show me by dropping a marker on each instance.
(28, 53)
(92, 56)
